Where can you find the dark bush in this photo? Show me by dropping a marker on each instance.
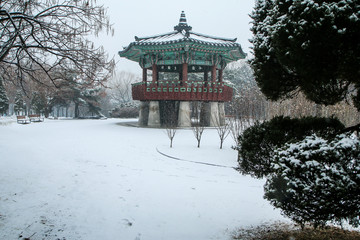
(317, 181)
(125, 112)
(257, 143)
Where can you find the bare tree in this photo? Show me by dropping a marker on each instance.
(299, 106)
(120, 87)
(51, 35)
(223, 130)
(198, 130)
(170, 121)
(11, 90)
(171, 131)
(237, 126)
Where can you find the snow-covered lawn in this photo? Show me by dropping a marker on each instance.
(98, 179)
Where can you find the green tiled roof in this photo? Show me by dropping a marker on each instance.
(183, 46)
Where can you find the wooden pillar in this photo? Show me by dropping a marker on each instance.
(213, 73)
(220, 75)
(154, 73)
(185, 73)
(206, 77)
(144, 75)
(180, 79)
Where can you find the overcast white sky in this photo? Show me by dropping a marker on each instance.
(130, 18)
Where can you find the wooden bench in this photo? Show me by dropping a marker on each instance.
(23, 119)
(36, 118)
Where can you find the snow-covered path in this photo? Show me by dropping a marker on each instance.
(96, 179)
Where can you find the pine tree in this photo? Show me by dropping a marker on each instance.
(317, 180)
(91, 97)
(38, 103)
(4, 101)
(259, 142)
(20, 105)
(308, 46)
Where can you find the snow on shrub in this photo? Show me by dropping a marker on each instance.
(126, 110)
(258, 143)
(317, 181)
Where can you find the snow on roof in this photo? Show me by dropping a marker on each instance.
(182, 32)
(175, 36)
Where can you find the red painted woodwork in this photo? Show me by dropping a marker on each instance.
(153, 92)
(206, 76)
(144, 76)
(220, 75)
(154, 73)
(213, 73)
(185, 73)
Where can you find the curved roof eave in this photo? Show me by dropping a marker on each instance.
(185, 39)
(213, 37)
(155, 36)
(182, 34)
(132, 47)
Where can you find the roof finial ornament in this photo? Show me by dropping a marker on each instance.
(183, 26)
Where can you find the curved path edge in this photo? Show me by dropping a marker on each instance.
(184, 160)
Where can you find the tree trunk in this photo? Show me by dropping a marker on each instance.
(76, 110)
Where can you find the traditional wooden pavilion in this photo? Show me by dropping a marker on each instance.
(173, 58)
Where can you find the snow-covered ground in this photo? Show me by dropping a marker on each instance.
(98, 179)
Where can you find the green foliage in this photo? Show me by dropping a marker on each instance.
(81, 94)
(309, 46)
(317, 181)
(38, 103)
(20, 105)
(91, 97)
(258, 143)
(312, 47)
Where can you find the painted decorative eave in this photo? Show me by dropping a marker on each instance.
(173, 36)
(183, 40)
(177, 37)
(170, 42)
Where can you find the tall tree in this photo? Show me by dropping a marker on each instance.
(4, 101)
(248, 104)
(120, 87)
(48, 35)
(20, 106)
(75, 89)
(38, 102)
(308, 46)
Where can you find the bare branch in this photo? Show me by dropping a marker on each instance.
(52, 35)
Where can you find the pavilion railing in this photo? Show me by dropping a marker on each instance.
(182, 91)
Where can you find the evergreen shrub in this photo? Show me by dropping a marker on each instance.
(258, 143)
(317, 180)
